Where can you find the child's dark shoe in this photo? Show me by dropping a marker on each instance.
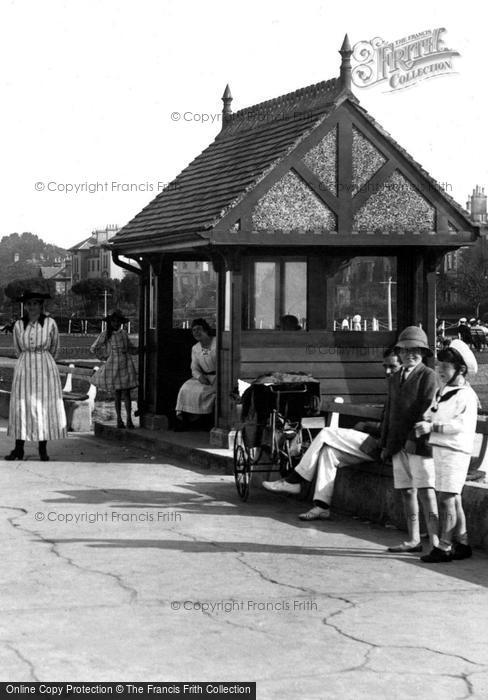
(461, 551)
(120, 424)
(437, 556)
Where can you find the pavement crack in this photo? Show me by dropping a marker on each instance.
(29, 664)
(53, 546)
(268, 579)
(469, 686)
(215, 618)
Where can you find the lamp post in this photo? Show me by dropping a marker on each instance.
(106, 294)
(388, 283)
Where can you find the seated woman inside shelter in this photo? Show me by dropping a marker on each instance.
(196, 397)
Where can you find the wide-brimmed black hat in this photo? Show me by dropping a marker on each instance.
(32, 294)
(117, 315)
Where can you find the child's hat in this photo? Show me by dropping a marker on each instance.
(466, 354)
(413, 337)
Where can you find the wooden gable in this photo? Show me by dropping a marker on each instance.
(347, 183)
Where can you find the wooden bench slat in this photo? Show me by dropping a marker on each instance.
(320, 370)
(311, 353)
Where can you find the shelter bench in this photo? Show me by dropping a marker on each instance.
(335, 409)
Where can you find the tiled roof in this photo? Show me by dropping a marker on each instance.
(250, 144)
(85, 243)
(48, 272)
(251, 141)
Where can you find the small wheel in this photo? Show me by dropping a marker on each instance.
(285, 460)
(242, 467)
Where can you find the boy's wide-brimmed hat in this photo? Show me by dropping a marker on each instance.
(413, 337)
(117, 316)
(33, 294)
(466, 354)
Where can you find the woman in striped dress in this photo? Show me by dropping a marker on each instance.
(118, 375)
(36, 399)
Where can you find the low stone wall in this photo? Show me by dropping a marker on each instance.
(78, 413)
(366, 490)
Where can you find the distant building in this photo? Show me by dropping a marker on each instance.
(91, 259)
(60, 274)
(476, 205)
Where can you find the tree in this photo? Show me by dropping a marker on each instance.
(471, 281)
(91, 291)
(129, 288)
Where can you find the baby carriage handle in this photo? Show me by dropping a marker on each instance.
(303, 390)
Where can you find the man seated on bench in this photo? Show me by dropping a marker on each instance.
(331, 449)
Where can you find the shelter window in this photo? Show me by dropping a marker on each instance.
(276, 288)
(194, 292)
(364, 294)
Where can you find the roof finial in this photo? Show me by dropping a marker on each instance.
(346, 52)
(227, 100)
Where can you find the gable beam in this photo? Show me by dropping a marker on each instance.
(244, 208)
(373, 185)
(406, 168)
(344, 173)
(317, 186)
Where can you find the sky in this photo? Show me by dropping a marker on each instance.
(89, 90)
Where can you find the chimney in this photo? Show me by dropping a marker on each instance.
(227, 109)
(346, 52)
(478, 207)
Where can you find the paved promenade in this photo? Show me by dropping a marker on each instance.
(116, 567)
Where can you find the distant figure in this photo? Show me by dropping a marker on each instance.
(118, 375)
(464, 332)
(345, 324)
(356, 322)
(289, 323)
(375, 324)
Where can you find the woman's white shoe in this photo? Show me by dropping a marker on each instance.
(282, 486)
(316, 513)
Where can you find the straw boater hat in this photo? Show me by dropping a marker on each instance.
(32, 294)
(414, 337)
(466, 355)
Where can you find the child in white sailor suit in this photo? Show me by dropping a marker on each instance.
(451, 424)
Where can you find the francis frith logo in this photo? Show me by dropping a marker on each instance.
(401, 63)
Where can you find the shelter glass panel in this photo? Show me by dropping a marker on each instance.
(194, 292)
(295, 291)
(277, 295)
(364, 295)
(264, 298)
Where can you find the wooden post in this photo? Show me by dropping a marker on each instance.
(220, 268)
(143, 305)
(409, 288)
(164, 322)
(236, 318)
(431, 261)
(229, 346)
(317, 293)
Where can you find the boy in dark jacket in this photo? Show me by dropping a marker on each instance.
(410, 393)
